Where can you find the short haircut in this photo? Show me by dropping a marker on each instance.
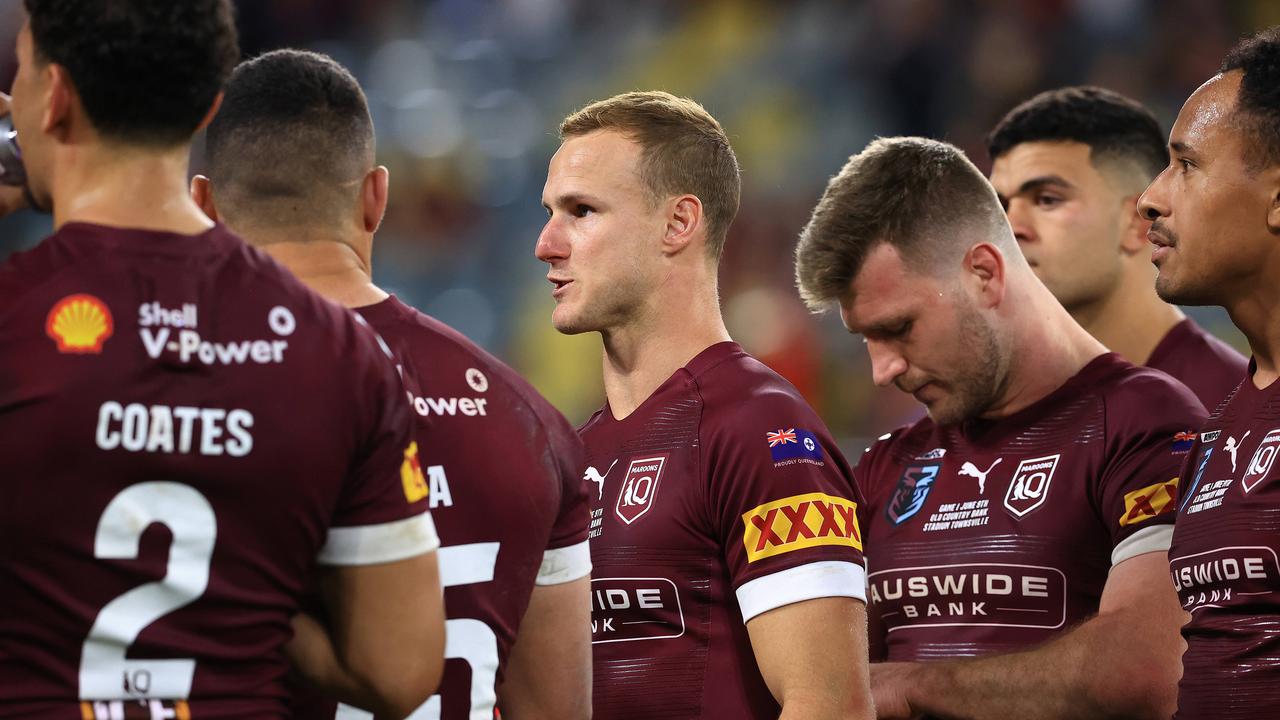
(146, 71)
(923, 197)
(1258, 102)
(683, 150)
(292, 135)
(1112, 125)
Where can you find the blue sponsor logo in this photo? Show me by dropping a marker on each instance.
(794, 444)
(913, 489)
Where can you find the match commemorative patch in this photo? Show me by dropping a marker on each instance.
(799, 522)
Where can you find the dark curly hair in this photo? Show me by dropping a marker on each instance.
(147, 71)
(1111, 124)
(1258, 101)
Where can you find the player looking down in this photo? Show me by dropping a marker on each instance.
(186, 431)
(1016, 536)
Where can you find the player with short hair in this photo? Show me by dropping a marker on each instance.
(1068, 165)
(725, 531)
(291, 166)
(1026, 518)
(1215, 218)
(186, 431)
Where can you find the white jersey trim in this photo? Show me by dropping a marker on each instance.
(1157, 538)
(373, 544)
(566, 564)
(829, 578)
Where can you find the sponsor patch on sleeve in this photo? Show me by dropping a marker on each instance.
(415, 485)
(1182, 442)
(1148, 502)
(788, 446)
(799, 522)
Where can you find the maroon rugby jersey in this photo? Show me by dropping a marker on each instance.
(185, 431)
(721, 497)
(1202, 362)
(1225, 565)
(993, 535)
(506, 496)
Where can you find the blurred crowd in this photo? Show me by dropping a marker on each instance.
(466, 96)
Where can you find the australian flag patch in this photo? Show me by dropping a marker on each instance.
(793, 445)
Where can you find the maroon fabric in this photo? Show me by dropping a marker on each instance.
(995, 535)
(1224, 562)
(670, 551)
(1202, 362)
(502, 464)
(299, 429)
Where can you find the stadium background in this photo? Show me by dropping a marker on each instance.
(466, 95)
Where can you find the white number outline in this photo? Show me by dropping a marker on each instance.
(466, 639)
(105, 672)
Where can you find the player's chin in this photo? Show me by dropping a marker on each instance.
(568, 322)
(1173, 287)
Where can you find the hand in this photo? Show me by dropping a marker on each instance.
(12, 199)
(889, 684)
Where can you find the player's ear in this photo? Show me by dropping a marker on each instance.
(1272, 177)
(202, 194)
(213, 110)
(984, 270)
(61, 98)
(1133, 240)
(373, 197)
(684, 221)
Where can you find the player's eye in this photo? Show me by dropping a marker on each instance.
(1184, 164)
(582, 210)
(1047, 200)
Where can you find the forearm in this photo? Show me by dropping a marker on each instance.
(825, 705)
(1109, 666)
(316, 662)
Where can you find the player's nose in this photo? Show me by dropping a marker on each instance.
(551, 245)
(1154, 201)
(1020, 222)
(886, 363)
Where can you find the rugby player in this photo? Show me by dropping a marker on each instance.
(186, 431)
(1215, 213)
(291, 167)
(1068, 165)
(728, 576)
(1026, 519)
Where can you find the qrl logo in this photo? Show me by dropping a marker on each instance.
(1029, 487)
(1263, 458)
(639, 486)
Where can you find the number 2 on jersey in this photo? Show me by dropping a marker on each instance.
(105, 672)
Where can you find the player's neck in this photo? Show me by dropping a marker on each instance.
(1131, 320)
(1047, 349)
(1256, 311)
(125, 187)
(329, 267)
(643, 354)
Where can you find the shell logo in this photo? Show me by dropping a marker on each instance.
(79, 324)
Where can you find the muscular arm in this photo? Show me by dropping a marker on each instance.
(1124, 662)
(384, 646)
(548, 674)
(813, 657)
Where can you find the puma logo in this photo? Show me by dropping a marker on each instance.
(1233, 446)
(971, 470)
(594, 476)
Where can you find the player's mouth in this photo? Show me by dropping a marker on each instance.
(1162, 241)
(560, 285)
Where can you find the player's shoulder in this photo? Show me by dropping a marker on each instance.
(912, 442)
(1130, 390)
(455, 358)
(733, 384)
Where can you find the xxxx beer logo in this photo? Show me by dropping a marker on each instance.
(1148, 502)
(79, 324)
(411, 477)
(798, 522)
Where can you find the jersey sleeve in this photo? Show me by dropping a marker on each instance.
(567, 556)
(1151, 425)
(782, 499)
(382, 514)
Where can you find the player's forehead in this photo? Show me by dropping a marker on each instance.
(1205, 118)
(1033, 164)
(600, 162)
(885, 290)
